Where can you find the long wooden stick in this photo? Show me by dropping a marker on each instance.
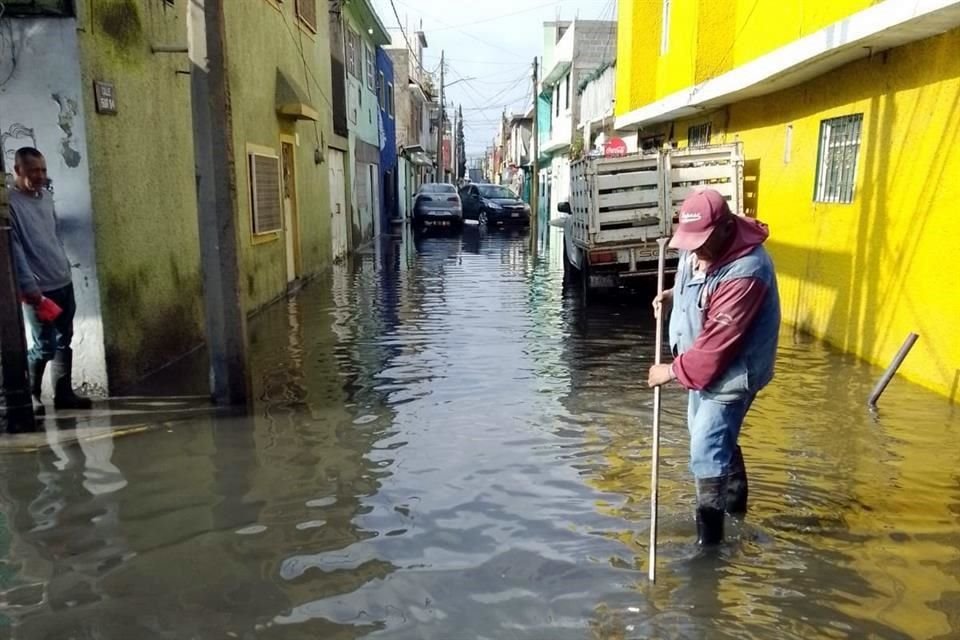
(655, 458)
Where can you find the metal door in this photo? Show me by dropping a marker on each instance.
(338, 204)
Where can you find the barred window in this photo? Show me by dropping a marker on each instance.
(354, 55)
(265, 193)
(837, 159)
(698, 136)
(371, 68)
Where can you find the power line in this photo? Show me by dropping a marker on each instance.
(308, 74)
(513, 85)
(734, 43)
(612, 8)
(500, 16)
(498, 47)
(403, 32)
(488, 62)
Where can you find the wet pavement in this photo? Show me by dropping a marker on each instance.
(447, 446)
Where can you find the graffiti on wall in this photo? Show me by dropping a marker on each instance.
(68, 111)
(17, 135)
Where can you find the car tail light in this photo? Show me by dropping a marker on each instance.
(453, 199)
(426, 198)
(603, 257)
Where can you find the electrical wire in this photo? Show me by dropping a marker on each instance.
(403, 32)
(734, 43)
(612, 9)
(489, 62)
(306, 66)
(306, 77)
(500, 16)
(497, 46)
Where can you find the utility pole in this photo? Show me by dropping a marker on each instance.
(16, 406)
(453, 148)
(535, 163)
(218, 211)
(440, 127)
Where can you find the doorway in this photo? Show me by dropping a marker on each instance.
(338, 203)
(291, 223)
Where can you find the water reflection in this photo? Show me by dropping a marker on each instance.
(448, 445)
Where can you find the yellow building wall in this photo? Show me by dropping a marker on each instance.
(708, 38)
(863, 275)
(638, 47)
(143, 186)
(859, 275)
(262, 37)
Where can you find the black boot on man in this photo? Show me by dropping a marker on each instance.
(37, 367)
(711, 504)
(737, 488)
(63, 394)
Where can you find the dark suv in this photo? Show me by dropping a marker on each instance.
(493, 204)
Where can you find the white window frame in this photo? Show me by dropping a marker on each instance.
(352, 52)
(837, 159)
(371, 57)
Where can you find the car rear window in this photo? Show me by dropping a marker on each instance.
(437, 188)
(496, 191)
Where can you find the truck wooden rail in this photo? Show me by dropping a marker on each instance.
(620, 206)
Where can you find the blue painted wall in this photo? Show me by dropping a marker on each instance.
(388, 141)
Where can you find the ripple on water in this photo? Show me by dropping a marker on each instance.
(449, 446)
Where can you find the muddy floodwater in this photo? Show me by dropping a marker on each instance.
(445, 445)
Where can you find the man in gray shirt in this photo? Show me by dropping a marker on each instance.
(43, 271)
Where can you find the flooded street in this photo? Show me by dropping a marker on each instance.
(446, 446)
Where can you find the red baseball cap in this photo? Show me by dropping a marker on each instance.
(699, 215)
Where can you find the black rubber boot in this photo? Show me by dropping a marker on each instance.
(737, 488)
(63, 394)
(711, 503)
(37, 367)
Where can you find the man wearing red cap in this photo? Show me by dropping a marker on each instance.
(723, 334)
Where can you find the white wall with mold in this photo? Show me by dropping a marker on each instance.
(41, 105)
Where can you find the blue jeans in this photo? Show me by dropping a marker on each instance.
(714, 429)
(56, 336)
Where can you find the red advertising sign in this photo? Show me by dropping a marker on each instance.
(614, 148)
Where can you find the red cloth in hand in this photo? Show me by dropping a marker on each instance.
(47, 310)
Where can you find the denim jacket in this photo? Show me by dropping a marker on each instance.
(752, 368)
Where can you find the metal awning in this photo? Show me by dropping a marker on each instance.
(416, 155)
(291, 101)
(560, 69)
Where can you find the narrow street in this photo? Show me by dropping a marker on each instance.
(445, 445)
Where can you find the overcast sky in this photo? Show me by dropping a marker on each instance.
(493, 42)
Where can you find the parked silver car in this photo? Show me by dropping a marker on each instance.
(437, 204)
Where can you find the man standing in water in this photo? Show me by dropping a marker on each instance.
(723, 336)
(43, 274)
